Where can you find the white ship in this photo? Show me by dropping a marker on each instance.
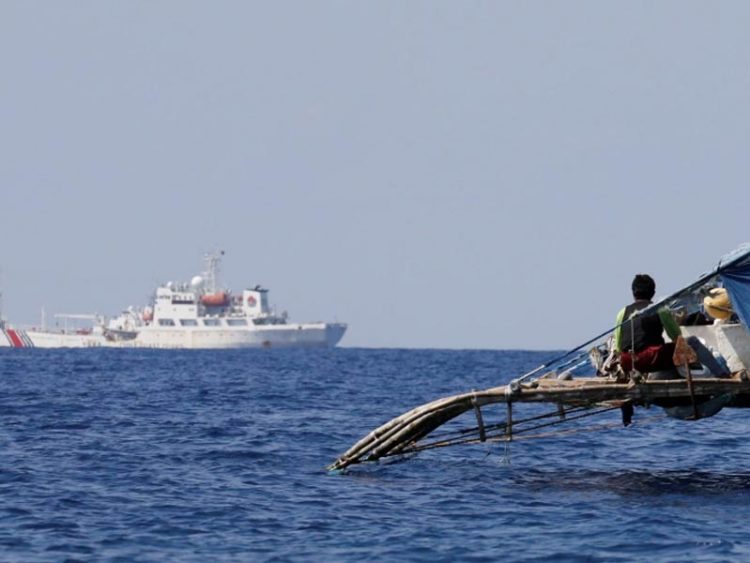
(198, 314)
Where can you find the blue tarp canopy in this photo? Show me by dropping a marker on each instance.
(736, 279)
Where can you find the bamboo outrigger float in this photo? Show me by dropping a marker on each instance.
(682, 393)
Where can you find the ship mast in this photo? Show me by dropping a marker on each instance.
(212, 269)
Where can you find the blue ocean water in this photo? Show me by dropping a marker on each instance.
(221, 455)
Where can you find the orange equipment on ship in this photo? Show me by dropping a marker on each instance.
(218, 299)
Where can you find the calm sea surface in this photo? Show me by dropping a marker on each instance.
(210, 456)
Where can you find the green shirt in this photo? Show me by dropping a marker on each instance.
(665, 316)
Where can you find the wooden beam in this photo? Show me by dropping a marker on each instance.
(596, 390)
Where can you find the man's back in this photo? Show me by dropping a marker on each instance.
(640, 332)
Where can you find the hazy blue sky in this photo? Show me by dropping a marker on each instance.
(436, 174)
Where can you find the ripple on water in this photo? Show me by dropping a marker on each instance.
(148, 455)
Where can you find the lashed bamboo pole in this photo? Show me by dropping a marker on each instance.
(387, 430)
(383, 434)
(419, 428)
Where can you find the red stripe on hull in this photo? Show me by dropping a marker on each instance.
(14, 338)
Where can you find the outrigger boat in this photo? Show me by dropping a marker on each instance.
(686, 392)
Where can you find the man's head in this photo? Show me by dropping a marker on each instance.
(643, 286)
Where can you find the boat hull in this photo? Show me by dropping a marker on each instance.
(293, 335)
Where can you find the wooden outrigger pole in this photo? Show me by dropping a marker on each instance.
(573, 398)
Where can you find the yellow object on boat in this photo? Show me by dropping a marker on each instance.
(717, 304)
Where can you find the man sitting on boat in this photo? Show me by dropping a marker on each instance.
(642, 335)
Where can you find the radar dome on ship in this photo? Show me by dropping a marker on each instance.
(197, 281)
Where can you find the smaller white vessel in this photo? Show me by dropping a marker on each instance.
(198, 314)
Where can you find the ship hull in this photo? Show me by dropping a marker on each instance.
(303, 335)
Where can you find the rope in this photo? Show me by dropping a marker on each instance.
(503, 436)
(604, 426)
(571, 431)
(568, 419)
(456, 434)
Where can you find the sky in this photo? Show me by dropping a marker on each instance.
(436, 174)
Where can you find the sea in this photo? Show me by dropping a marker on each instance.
(147, 455)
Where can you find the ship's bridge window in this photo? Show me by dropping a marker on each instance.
(236, 322)
(211, 322)
(188, 322)
(166, 322)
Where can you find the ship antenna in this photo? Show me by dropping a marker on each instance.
(212, 268)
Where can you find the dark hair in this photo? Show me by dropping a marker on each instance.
(643, 286)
